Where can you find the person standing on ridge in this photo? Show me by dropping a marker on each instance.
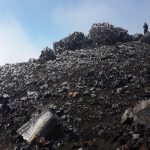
(145, 28)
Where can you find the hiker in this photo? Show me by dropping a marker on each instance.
(145, 28)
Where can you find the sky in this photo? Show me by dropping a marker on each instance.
(27, 26)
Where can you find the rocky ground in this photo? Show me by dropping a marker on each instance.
(88, 89)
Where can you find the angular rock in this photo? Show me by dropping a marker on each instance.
(137, 36)
(146, 38)
(73, 42)
(127, 116)
(106, 34)
(47, 54)
(141, 105)
(136, 136)
(45, 126)
(6, 96)
(142, 117)
(73, 94)
(139, 114)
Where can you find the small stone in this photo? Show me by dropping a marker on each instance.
(86, 93)
(93, 95)
(119, 90)
(70, 94)
(143, 147)
(75, 146)
(127, 116)
(92, 89)
(75, 94)
(52, 107)
(6, 96)
(1, 105)
(65, 83)
(101, 133)
(115, 106)
(136, 136)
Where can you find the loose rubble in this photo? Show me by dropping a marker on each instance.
(88, 89)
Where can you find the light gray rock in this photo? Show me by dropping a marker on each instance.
(127, 116)
(140, 113)
(44, 126)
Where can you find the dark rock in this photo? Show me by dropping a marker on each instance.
(75, 146)
(106, 34)
(127, 117)
(1, 106)
(146, 38)
(139, 114)
(137, 37)
(47, 54)
(73, 42)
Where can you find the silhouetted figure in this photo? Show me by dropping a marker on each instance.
(145, 28)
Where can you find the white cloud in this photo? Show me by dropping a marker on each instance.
(15, 45)
(80, 16)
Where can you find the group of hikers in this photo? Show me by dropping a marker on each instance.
(145, 28)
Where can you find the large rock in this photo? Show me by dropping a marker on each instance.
(74, 41)
(45, 126)
(140, 114)
(146, 38)
(127, 116)
(99, 34)
(47, 54)
(106, 34)
(137, 36)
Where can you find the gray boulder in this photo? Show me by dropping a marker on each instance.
(140, 114)
(146, 38)
(74, 41)
(47, 54)
(44, 126)
(137, 36)
(127, 116)
(106, 34)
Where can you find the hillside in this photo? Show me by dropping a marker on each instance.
(88, 85)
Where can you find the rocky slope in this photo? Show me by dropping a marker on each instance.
(88, 89)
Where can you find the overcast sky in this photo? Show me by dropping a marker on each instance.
(27, 26)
